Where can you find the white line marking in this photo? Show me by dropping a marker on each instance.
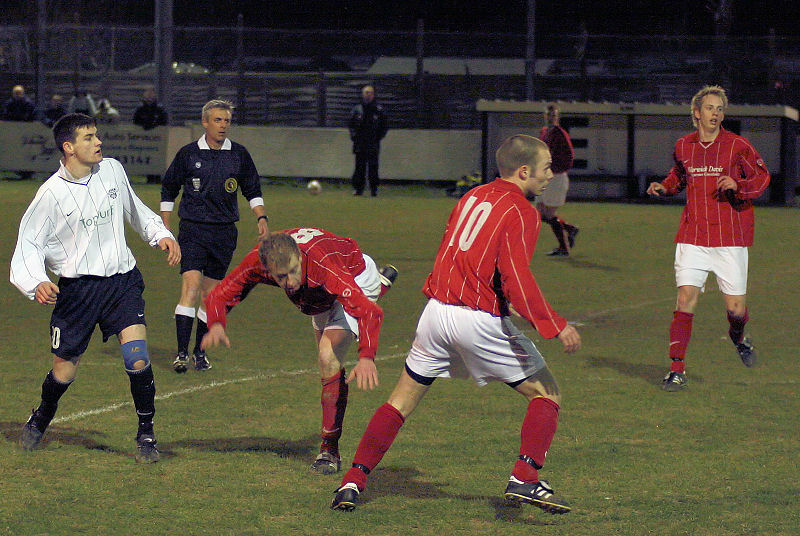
(204, 387)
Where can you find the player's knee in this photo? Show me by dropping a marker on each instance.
(135, 355)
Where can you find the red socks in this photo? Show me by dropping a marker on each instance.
(538, 429)
(680, 331)
(334, 403)
(377, 438)
(736, 330)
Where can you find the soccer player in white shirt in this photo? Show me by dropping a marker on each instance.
(75, 228)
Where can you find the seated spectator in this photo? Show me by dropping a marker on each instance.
(18, 107)
(106, 113)
(82, 102)
(54, 111)
(150, 114)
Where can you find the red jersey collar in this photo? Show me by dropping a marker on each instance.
(509, 186)
(694, 137)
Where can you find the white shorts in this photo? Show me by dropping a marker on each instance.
(556, 193)
(457, 342)
(336, 317)
(729, 264)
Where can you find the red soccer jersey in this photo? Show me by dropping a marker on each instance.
(330, 265)
(560, 146)
(712, 219)
(484, 258)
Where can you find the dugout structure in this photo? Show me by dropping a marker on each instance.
(621, 147)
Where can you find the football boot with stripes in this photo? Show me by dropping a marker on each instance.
(33, 431)
(146, 451)
(747, 352)
(326, 463)
(201, 362)
(674, 381)
(539, 494)
(181, 362)
(346, 498)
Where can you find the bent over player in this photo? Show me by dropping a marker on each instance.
(75, 228)
(327, 277)
(722, 174)
(480, 275)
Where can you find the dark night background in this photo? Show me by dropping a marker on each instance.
(676, 17)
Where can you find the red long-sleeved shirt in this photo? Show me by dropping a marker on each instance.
(560, 145)
(330, 264)
(712, 219)
(484, 257)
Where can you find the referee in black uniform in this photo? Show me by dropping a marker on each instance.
(210, 171)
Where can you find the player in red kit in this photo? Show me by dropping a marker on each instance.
(481, 274)
(327, 277)
(722, 175)
(560, 145)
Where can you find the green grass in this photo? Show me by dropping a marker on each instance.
(716, 459)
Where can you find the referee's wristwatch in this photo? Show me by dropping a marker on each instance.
(265, 218)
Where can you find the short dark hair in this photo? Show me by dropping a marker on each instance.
(517, 151)
(67, 127)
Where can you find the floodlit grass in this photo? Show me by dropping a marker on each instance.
(716, 459)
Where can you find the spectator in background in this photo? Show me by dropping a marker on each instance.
(54, 111)
(18, 107)
(149, 116)
(82, 102)
(367, 128)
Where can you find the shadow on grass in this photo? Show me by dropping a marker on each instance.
(406, 482)
(68, 436)
(652, 374)
(300, 449)
(580, 263)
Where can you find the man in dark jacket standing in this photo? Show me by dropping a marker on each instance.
(367, 129)
(149, 116)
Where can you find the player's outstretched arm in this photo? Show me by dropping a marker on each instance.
(47, 293)
(173, 250)
(365, 374)
(215, 336)
(570, 338)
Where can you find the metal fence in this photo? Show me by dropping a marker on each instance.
(312, 78)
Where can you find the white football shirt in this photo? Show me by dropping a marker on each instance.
(75, 227)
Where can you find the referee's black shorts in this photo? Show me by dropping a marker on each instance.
(207, 247)
(114, 302)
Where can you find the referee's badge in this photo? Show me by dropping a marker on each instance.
(197, 164)
(196, 183)
(231, 185)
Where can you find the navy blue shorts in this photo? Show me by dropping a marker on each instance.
(207, 247)
(114, 303)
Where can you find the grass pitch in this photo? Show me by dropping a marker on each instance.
(716, 459)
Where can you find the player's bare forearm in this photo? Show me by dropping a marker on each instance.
(365, 373)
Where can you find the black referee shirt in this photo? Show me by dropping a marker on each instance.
(210, 179)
